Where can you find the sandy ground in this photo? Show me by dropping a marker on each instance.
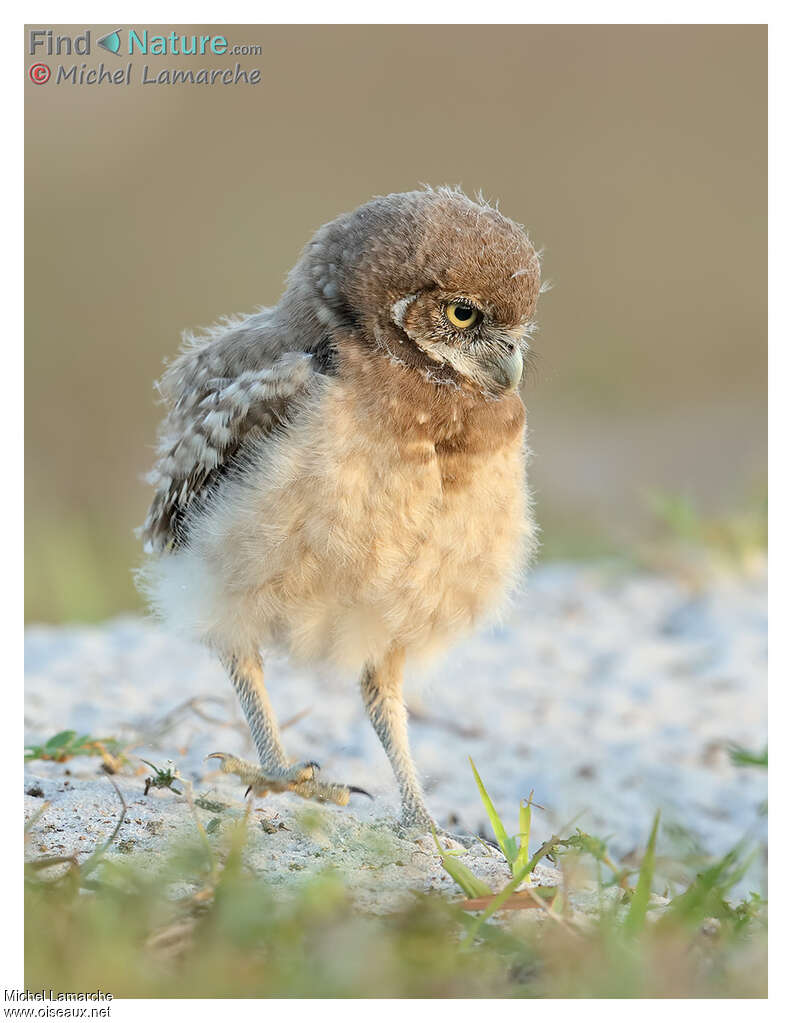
(609, 694)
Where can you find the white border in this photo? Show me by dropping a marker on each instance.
(413, 12)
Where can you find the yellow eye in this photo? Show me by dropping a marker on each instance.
(461, 316)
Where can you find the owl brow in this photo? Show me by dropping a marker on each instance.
(398, 309)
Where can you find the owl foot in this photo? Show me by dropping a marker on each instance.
(302, 779)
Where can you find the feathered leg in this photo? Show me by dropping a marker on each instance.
(247, 676)
(381, 686)
(275, 773)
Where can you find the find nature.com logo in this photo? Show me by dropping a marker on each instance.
(136, 42)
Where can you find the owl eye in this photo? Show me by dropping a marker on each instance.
(461, 316)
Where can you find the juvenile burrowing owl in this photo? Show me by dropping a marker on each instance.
(342, 476)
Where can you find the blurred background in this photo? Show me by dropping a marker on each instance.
(635, 155)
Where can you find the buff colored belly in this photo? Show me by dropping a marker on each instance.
(344, 542)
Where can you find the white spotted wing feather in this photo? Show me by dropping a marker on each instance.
(227, 387)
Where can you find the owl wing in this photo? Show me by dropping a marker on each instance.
(225, 390)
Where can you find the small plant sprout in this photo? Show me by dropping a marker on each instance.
(513, 847)
(68, 744)
(595, 847)
(163, 778)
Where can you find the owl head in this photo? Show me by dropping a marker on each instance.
(432, 279)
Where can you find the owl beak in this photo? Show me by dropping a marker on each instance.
(506, 368)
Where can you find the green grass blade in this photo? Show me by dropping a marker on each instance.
(512, 850)
(523, 856)
(501, 837)
(471, 885)
(706, 896)
(742, 757)
(640, 900)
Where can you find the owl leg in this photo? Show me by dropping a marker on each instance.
(247, 676)
(274, 773)
(381, 686)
